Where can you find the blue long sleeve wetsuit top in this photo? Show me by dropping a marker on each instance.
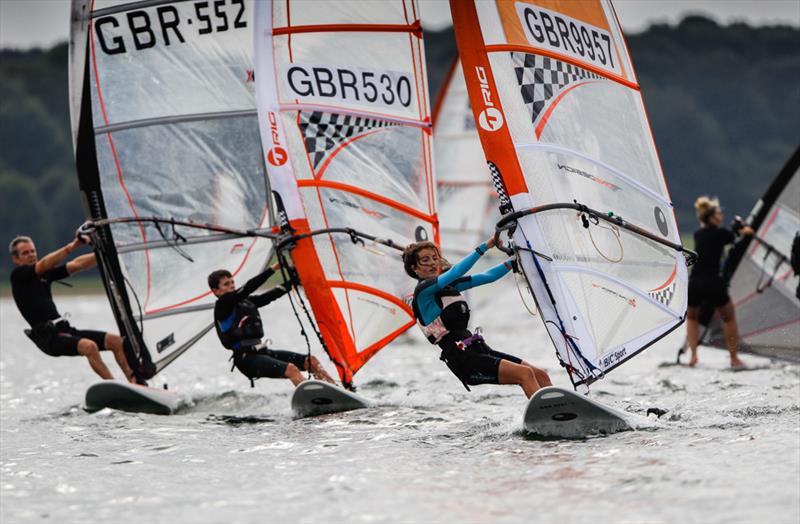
(429, 303)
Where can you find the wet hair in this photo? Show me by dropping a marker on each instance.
(705, 208)
(410, 256)
(19, 239)
(215, 277)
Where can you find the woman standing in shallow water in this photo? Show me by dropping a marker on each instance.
(443, 315)
(706, 285)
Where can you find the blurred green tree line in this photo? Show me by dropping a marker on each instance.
(723, 102)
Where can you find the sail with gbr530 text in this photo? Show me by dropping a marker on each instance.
(345, 126)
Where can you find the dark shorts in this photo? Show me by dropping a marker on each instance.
(476, 364)
(268, 363)
(63, 341)
(711, 291)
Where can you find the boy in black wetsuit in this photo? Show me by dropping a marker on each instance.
(239, 328)
(31, 280)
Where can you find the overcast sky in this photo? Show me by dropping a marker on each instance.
(30, 23)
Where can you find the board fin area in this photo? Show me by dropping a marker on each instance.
(315, 397)
(132, 398)
(560, 413)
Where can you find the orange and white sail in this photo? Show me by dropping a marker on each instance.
(466, 197)
(566, 137)
(345, 124)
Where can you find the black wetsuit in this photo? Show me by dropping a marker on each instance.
(443, 315)
(237, 322)
(34, 298)
(706, 284)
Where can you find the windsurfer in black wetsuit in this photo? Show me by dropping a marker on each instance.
(706, 284)
(240, 330)
(31, 280)
(443, 315)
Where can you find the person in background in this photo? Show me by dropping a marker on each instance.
(31, 281)
(706, 284)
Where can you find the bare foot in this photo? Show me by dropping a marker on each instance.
(693, 361)
(737, 364)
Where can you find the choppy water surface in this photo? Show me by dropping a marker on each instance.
(728, 450)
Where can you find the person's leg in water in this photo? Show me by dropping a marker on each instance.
(113, 343)
(731, 331)
(317, 370)
(693, 331)
(89, 349)
(511, 373)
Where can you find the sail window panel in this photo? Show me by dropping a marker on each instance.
(370, 317)
(642, 264)
(165, 335)
(556, 176)
(552, 102)
(344, 12)
(207, 171)
(612, 314)
(343, 260)
(386, 161)
(154, 73)
(164, 279)
(334, 71)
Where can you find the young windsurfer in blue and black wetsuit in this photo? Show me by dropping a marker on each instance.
(443, 315)
(239, 328)
(706, 284)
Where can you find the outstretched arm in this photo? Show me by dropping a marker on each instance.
(55, 258)
(273, 294)
(487, 277)
(464, 265)
(81, 263)
(257, 281)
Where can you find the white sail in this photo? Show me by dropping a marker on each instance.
(565, 134)
(164, 123)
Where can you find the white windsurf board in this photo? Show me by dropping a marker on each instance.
(131, 397)
(315, 397)
(556, 412)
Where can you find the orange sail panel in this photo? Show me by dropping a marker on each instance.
(345, 124)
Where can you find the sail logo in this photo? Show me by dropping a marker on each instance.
(276, 156)
(490, 118)
(553, 31)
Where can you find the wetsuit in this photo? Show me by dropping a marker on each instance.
(443, 315)
(34, 298)
(238, 325)
(706, 285)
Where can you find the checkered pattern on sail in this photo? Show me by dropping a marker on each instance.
(541, 78)
(664, 295)
(322, 132)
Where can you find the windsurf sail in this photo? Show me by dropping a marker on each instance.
(763, 286)
(164, 124)
(345, 126)
(566, 138)
(466, 197)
